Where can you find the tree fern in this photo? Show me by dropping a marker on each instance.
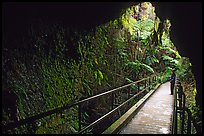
(136, 66)
(147, 67)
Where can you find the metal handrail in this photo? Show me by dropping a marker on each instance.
(32, 119)
(181, 109)
(114, 110)
(174, 120)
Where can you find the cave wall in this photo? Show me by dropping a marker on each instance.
(186, 20)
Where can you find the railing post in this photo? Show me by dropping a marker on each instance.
(179, 95)
(183, 111)
(182, 100)
(174, 121)
(175, 130)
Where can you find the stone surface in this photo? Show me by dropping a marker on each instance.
(155, 116)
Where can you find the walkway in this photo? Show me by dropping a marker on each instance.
(155, 116)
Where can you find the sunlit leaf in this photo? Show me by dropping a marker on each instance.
(129, 80)
(100, 74)
(145, 66)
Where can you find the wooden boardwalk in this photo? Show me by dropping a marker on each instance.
(155, 117)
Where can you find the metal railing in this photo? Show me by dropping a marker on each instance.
(148, 83)
(179, 107)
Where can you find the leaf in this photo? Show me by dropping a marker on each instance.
(154, 59)
(165, 57)
(95, 60)
(106, 39)
(100, 74)
(95, 74)
(87, 88)
(99, 82)
(133, 87)
(147, 25)
(62, 120)
(147, 67)
(174, 61)
(129, 80)
(148, 60)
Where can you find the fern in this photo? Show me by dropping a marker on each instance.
(147, 67)
(165, 57)
(151, 60)
(139, 66)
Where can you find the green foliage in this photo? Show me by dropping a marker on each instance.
(137, 66)
(151, 60)
(147, 67)
(183, 67)
(143, 28)
(98, 76)
(117, 52)
(171, 51)
(169, 60)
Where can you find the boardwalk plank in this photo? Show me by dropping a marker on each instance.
(155, 116)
